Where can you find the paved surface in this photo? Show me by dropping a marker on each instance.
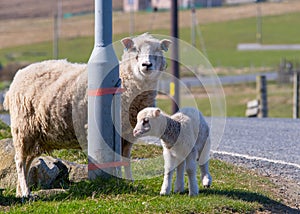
(271, 145)
(234, 79)
(5, 118)
(164, 84)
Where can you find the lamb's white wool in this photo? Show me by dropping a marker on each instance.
(185, 140)
(43, 97)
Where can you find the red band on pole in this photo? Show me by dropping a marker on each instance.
(105, 91)
(93, 166)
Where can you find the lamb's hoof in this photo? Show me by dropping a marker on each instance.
(164, 194)
(180, 192)
(193, 194)
(206, 181)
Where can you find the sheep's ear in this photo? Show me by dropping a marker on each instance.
(157, 112)
(127, 43)
(164, 44)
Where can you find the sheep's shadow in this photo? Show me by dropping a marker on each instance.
(248, 196)
(6, 201)
(78, 190)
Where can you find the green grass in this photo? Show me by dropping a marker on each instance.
(234, 190)
(221, 40)
(4, 131)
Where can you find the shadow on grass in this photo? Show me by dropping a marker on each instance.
(100, 187)
(10, 200)
(247, 196)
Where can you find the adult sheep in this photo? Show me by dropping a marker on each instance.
(185, 140)
(44, 95)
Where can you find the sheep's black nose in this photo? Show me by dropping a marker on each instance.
(147, 64)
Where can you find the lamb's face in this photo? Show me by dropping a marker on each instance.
(149, 122)
(146, 56)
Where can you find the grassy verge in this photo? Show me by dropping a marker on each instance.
(234, 190)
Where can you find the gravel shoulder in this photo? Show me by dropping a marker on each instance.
(268, 146)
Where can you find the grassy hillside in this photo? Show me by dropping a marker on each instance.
(221, 40)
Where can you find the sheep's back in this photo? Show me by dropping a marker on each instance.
(40, 98)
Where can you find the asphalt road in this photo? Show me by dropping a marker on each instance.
(234, 79)
(270, 145)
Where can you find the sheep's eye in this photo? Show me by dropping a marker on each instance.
(137, 57)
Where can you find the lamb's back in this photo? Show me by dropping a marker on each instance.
(193, 125)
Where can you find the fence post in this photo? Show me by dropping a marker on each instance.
(261, 89)
(296, 96)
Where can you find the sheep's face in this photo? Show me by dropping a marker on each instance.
(149, 123)
(146, 56)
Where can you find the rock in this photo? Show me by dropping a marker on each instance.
(45, 171)
(8, 178)
(77, 172)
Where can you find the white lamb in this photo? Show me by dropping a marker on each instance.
(44, 97)
(185, 140)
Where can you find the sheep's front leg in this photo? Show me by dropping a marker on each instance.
(126, 152)
(191, 169)
(179, 183)
(169, 168)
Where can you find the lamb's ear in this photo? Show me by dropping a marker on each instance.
(164, 44)
(157, 112)
(127, 43)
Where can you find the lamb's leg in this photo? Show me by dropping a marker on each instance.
(22, 187)
(205, 175)
(204, 165)
(191, 170)
(126, 153)
(169, 168)
(179, 183)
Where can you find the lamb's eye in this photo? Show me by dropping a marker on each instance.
(137, 57)
(145, 120)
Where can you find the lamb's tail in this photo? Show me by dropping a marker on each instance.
(204, 152)
(6, 101)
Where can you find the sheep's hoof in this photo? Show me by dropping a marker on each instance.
(29, 198)
(207, 186)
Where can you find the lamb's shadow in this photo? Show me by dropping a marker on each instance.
(244, 195)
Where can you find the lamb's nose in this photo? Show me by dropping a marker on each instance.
(135, 132)
(147, 64)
